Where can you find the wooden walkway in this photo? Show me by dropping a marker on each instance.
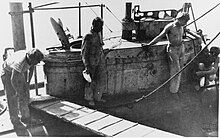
(95, 121)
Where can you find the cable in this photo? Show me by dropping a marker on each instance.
(116, 17)
(145, 96)
(137, 100)
(203, 15)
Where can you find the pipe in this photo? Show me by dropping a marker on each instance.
(128, 10)
(62, 8)
(16, 12)
(45, 5)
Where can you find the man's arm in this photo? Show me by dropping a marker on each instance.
(158, 37)
(161, 35)
(85, 51)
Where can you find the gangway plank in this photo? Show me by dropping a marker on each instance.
(97, 122)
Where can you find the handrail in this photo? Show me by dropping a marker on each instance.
(45, 5)
(71, 7)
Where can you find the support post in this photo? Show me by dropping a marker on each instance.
(128, 11)
(194, 18)
(16, 12)
(31, 10)
(102, 17)
(102, 10)
(79, 20)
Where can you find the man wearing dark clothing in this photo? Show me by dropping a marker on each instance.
(92, 56)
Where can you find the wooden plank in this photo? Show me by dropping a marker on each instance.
(136, 131)
(107, 121)
(159, 133)
(75, 114)
(76, 106)
(41, 98)
(89, 118)
(98, 122)
(44, 104)
(58, 109)
(117, 128)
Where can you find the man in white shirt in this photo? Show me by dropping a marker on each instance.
(16, 83)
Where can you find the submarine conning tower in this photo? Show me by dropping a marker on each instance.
(145, 25)
(128, 68)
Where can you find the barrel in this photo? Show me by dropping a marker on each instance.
(63, 70)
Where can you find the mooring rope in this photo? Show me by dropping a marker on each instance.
(145, 96)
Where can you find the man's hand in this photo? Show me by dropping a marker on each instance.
(145, 44)
(88, 69)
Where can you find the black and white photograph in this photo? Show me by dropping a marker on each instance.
(109, 68)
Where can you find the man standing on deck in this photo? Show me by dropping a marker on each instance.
(174, 32)
(16, 84)
(210, 72)
(92, 56)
